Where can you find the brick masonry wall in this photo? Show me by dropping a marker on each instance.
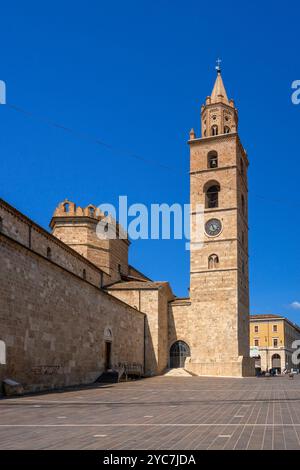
(53, 322)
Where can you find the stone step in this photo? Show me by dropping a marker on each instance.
(111, 376)
(177, 372)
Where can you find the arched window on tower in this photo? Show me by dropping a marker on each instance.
(212, 159)
(213, 261)
(242, 167)
(49, 253)
(226, 130)
(91, 211)
(243, 266)
(243, 204)
(214, 130)
(212, 196)
(66, 207)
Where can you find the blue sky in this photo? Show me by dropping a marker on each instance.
(134, 74)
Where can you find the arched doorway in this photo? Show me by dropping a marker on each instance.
(179, 351)
(276, 362)
(107, 348)
(258, 362)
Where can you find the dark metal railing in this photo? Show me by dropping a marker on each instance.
(129, 369)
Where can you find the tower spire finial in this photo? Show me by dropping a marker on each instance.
(219, 93)
(218, 66)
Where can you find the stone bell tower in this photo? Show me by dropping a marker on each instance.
(219, 283)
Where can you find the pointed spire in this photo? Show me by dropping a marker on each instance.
(192, 134)
(219, 93)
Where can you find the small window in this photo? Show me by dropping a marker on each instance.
(91, 211)
(243, 204)
(213, 261)
(256, 342)
(275, 328)
(243, 238)
(214, 130)
(226, 130)
(49, 253)
(1, 224)
(66, 207)
(212, 160)
(256, 329)
(243, 266)
(119, 269)
(242, 167)
(275, 343)
(84, 274)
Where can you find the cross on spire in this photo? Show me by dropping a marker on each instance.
(218, 66)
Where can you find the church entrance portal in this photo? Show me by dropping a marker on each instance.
(178, 353)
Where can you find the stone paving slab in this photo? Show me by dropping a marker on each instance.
(158, 413)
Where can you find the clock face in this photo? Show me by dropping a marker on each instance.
(213, 227)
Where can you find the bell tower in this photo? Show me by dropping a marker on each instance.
(219, 283)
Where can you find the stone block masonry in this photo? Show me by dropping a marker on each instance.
(53, 322)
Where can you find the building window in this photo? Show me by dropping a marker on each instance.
(1, 224)
(226, 130)
(256, 329)
(212, 196)
(242, 167)
(49, 253)
(91, 211)
(243, 238)
(84, 274)
(243, 266)
(66, 207)
(212, 160)
(243, 204)
(213, 261)
(214, 130)
(256, 342)
(275, 343)
(275, 328)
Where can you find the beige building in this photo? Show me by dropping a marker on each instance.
(73, 307)
(271, 342)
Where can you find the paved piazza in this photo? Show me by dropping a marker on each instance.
(159, 413)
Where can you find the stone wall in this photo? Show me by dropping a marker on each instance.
(77, 228)
(180, 321)
(20, 228)
(152, 299)
(52, 321)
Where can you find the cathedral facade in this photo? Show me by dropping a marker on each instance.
(72, 307)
